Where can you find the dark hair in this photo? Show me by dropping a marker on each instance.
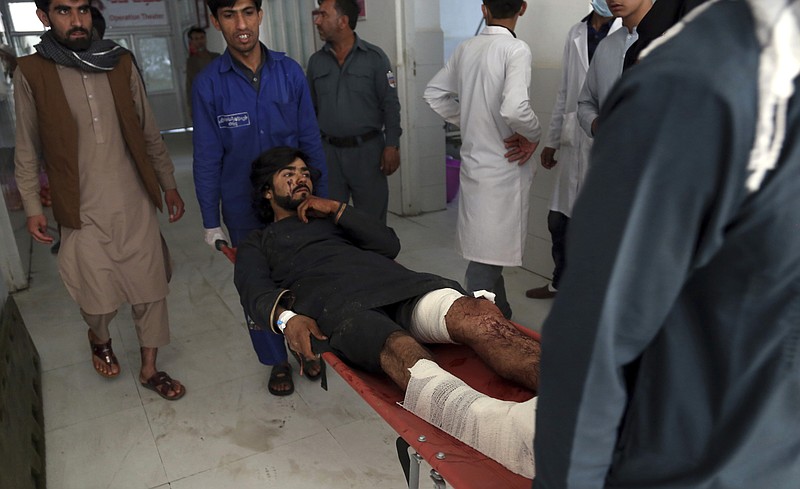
(346, 7)
(195, 30)
(264, 169)
(214, 5)
(503, 9)
(44, 5)
(98, 21)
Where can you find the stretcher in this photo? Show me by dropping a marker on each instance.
(452, 461)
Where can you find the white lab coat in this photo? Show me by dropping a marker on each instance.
(565, 134)
(483, 88)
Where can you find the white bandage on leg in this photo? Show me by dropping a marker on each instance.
(427, 320)
(501, 430)
(485, 294)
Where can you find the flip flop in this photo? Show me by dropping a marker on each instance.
(305, 364)
(105, 354)
(161, 384)
(280, 374)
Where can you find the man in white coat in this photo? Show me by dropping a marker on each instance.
(606, 67)
(566, 136)
(483, 88)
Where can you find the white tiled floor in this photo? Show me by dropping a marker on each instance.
(228, 432)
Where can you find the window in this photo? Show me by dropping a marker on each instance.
(290, 27)
(156, 64)
(24, 44)
(23, 17)
(3, 37)
(24, 27)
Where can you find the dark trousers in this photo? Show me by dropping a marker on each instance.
(356, 173)
(557, 224)
(482, 276)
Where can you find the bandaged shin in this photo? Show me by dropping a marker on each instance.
(427, 320)
(501, 430)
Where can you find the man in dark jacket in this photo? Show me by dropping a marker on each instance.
(671, 356)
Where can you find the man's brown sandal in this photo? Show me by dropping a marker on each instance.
(162, 384)
(105, 354)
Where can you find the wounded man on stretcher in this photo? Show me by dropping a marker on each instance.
(322, 273)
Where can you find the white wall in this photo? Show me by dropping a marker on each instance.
(379, 27)
(459, 20)
(544, 27)
(425, 48)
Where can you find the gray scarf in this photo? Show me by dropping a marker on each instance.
(101, 56)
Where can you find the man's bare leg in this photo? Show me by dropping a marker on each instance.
(399, 354)
(479, 324)
(502, 430)
(151, 321)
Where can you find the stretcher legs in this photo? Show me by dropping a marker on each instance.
(411, 465)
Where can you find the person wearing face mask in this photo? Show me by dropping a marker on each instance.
(606, 67)
(566, 137)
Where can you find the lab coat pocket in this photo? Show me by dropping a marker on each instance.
(569, 128)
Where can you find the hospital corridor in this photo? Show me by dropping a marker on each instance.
(639, 159)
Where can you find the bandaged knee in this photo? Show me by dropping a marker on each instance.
(501, 430)
(427, 320)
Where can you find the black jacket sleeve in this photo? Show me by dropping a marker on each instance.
(368, 233)
(258, 294)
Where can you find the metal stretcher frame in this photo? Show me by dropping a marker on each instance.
(460, 465)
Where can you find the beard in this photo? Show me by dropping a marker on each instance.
(288, 202)
(76, 44)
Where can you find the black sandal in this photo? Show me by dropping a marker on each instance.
(306, 364)
(281, 375)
